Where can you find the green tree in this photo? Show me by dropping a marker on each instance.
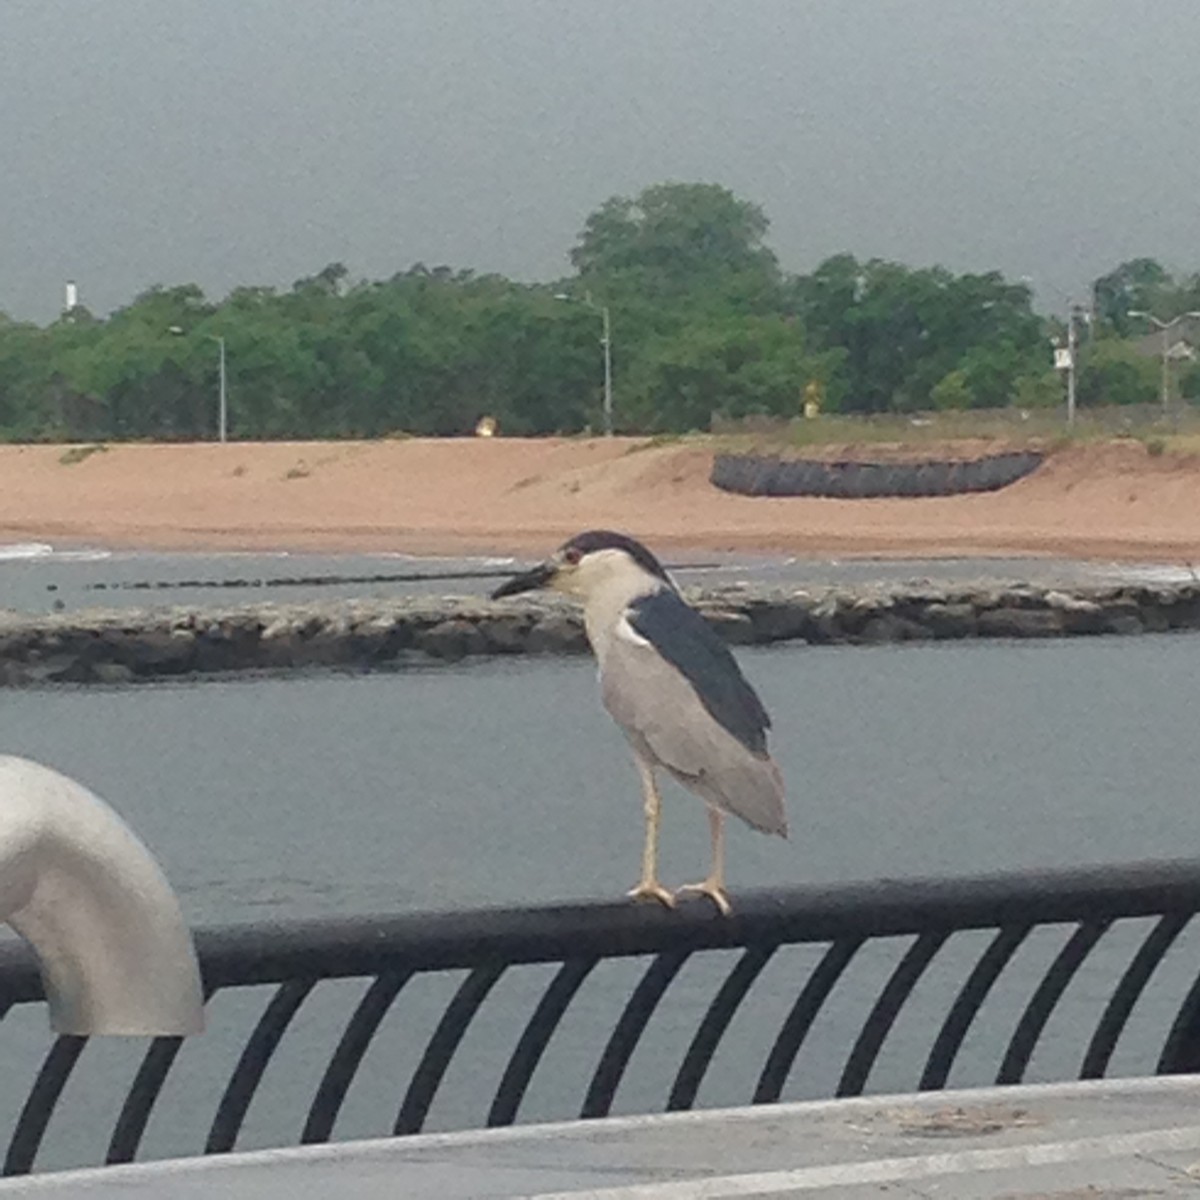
(1112, 371)
(22, 367)
(1189, 382)
(903, 331)
(731, 368)
(1140, 284)
(952, 392)
(1044, 390)
(137, 371)
(676, 238)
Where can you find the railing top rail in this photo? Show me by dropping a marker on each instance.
(270, 952)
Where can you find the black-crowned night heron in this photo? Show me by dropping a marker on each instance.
(675, 689)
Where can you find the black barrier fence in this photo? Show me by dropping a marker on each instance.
(815, 991)
(754, 475)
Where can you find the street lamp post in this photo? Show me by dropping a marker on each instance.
(1071, 367)
(1165, 328)
(222, 391)
(222, 406)
(608, 409)
(606, 343)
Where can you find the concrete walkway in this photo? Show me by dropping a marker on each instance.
(1084, 1141)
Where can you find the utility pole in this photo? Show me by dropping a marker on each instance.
(223, 406)
(608, 407)
(1064, 360)
(1071, 343)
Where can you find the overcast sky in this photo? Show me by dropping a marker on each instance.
(229, 142)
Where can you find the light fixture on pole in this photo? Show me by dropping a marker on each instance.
(606, 342)
(222, 402)
(1165, 328)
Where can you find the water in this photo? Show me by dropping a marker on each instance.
(36, 577)
(503, 781)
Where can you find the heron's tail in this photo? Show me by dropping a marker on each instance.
(751, 789)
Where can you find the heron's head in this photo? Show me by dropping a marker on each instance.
(589, 562)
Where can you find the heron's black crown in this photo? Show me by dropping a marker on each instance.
(592, 540)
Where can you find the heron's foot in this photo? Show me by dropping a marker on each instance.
(652, 890)
(713, 889)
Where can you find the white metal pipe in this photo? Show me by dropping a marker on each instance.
(77, 884)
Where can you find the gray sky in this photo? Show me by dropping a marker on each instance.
(231, 142)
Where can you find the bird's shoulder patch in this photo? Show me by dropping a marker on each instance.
(627, 633)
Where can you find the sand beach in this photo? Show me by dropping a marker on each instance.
(1111, 501)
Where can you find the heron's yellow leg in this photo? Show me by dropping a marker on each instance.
(714, 886)
(649, 887)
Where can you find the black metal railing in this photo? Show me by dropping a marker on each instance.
(1125, 928)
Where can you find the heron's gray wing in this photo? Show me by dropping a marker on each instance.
(687, 641)
(665, 716)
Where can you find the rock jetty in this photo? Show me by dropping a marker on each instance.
(123, 646)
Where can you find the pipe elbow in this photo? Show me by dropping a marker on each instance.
(78, 885)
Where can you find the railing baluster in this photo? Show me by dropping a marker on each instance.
(458, 1016)
(628, 1032)
(1181, 1051)
(1049, 991)
(1133, 983)
(143, 1093)
(40, 1103)
(248, 1073)
(347, 1058)
(967, 1003)
(799, 1021)
(535, 1037)
(885, 1011)
(712, 1028)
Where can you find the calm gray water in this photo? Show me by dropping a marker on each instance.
(500, 781)
(503, 781)
(36, 577)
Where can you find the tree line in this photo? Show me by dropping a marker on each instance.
(703, 322)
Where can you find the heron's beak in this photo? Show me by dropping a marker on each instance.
(528, 581)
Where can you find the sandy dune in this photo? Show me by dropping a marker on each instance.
(1111, 501)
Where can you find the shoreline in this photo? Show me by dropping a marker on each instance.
(334, 543)
(503, 548)
(886, 544)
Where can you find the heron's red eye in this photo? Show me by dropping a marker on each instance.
(573, 555)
